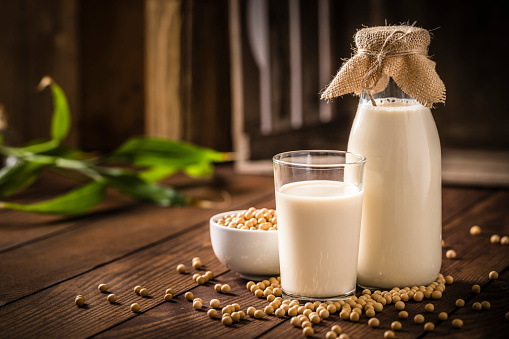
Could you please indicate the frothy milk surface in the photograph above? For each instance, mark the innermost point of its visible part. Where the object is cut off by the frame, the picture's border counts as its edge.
(400, 242)
(318, 229)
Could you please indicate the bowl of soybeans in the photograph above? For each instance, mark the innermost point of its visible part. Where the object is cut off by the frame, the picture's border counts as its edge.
(245, 241)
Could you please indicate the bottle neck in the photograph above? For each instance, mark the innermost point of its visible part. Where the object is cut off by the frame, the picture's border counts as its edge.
(391, 91)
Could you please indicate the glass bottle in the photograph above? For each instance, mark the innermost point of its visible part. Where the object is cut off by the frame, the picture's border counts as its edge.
(400, 243)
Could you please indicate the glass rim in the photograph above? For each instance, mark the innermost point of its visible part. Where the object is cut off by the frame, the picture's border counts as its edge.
(277, 159)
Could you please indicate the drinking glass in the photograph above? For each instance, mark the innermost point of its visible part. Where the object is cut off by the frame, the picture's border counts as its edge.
(319, 203)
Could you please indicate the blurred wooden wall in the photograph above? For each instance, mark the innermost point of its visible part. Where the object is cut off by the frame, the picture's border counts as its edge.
(128, 67)
(129, 70)
(37, 38)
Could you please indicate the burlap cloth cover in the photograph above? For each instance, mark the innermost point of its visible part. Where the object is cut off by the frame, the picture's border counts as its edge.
(400, 52)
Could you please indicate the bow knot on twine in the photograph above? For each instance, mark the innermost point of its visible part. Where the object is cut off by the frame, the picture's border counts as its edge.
(398, 52)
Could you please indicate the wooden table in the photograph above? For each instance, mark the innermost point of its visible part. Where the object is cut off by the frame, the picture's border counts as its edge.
(45, 261)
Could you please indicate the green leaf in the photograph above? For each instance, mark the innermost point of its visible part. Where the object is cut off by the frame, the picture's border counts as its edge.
(41, 147)
(77, 201)
(154, 152)
(202, 169)
(19, 176)
(61, 120)
(129, 183)
(156, 173)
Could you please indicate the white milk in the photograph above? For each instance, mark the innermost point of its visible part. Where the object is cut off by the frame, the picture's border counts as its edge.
(401, 230)
(318, 228)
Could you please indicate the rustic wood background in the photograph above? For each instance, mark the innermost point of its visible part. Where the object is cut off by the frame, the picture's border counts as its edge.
(97, 51)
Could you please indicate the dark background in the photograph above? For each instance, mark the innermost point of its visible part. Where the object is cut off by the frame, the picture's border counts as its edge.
(96, 51)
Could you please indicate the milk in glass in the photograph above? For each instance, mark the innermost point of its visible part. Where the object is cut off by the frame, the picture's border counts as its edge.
(318, 225)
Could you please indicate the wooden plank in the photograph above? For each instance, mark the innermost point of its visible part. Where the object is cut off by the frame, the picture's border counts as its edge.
(52, 310)
(481, 324)
(156, 321)
(19, 228)
(458, 199)
(87, 247)
(205, 74)
(163, 106)
(153, 268)
(112, 74)
(147, 266)
(183, 319)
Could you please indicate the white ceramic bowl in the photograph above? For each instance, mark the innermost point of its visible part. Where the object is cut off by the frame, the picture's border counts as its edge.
(253, 254)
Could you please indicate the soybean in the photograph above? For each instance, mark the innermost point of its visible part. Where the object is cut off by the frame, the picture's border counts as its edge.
(396, 325)
(389, 335)
(251, 311)
(235, 316)
(196, 262)
(485, 305)
(337, 329)
(374, 322)
(436, 294)
(429, 327)
(135, 307)
(475, 230)
(477, 306)
(450, 254)
(226, 321)
(215, 303)
(419, 319)
(103, 287)
(458, 323)
(403, 314)
(308, 331)
(448, 279)
(460, 302)
(189, 296)
(269, 309)
(112, 298)
(354, 316)
(144, 292)
(225, 288)
(476, 289)
(280, 312)
(181, 268)
(79, 300)
(443, 316)
(429, 308)
(258, 314)
(212, 313)
(495, 239)
(493, 275)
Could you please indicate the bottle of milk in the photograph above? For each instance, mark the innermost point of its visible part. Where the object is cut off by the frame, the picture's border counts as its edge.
(400, 242)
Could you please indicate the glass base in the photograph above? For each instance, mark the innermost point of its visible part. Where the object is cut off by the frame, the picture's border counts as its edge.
(371, 288)
(304, 299)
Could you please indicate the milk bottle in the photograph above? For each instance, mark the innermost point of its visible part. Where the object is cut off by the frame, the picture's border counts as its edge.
(400, 243)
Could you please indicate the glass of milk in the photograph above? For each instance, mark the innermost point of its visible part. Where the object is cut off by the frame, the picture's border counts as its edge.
(319, 206)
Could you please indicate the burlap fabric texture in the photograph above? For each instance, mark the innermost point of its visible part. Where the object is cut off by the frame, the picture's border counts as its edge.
(400, 52)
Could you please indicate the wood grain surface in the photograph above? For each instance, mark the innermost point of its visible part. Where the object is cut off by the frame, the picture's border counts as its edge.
(45, 262)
